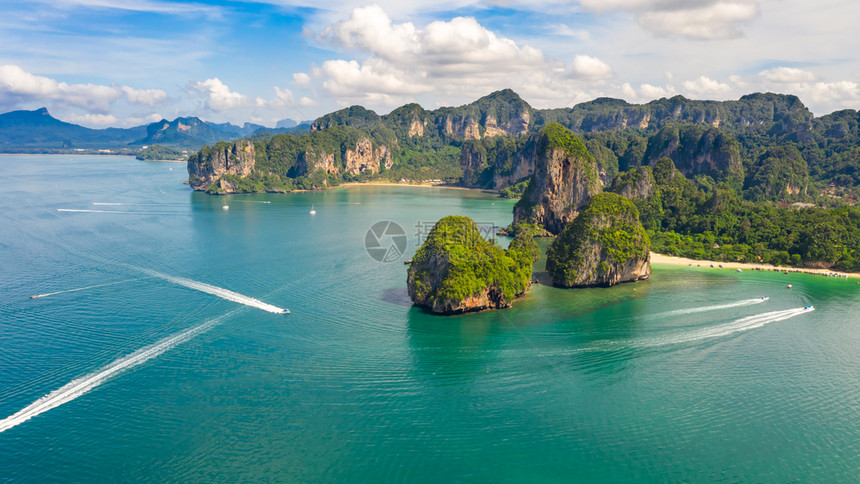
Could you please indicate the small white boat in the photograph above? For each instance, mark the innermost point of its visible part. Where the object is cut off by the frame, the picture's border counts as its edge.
(285, 311)
(765, 298)
(225, 207)
(809, 308)
(313, 212)
(740, 270)
(789, 286)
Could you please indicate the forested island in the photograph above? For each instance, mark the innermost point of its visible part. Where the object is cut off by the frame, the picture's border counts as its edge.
(456, 270)
(758, 180)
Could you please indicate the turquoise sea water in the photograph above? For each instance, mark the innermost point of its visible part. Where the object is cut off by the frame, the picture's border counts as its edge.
(681, 378)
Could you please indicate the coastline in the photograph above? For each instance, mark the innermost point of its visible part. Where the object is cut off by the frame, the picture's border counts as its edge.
(682, 261)
(416, 185)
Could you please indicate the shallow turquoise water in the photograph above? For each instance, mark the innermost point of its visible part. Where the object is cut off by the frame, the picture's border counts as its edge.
(632, 383)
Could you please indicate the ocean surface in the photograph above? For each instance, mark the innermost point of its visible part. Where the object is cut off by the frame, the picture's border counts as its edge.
(157, 354)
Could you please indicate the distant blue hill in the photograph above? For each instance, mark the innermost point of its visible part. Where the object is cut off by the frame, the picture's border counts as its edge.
(38, 131)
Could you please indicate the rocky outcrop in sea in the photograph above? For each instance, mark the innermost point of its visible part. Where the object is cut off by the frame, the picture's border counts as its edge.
(605, 245)
(457, 270)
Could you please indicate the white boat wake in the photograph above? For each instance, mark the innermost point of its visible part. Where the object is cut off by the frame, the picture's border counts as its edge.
(217, 291)
(84, 384)
(82, 210)
(80, 288)
(742, 324)
(717, 307)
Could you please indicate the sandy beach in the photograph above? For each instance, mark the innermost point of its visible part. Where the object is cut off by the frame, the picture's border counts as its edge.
(416, 185)
(681, 261)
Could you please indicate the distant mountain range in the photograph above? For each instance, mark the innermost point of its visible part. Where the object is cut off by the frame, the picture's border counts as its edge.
(38, 131)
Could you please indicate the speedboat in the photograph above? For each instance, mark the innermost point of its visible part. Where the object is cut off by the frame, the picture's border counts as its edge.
(808, 308)
(765, 298)
(285, 311)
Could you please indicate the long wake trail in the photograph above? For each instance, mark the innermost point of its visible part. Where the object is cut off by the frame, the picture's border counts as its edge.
(742, 324)
(217, 291)
(80, 288)
(716, 307)
(82, 210)
(84, 384)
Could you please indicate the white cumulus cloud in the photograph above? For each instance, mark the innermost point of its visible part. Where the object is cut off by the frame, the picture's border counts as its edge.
(146, 97)
(697, 19)
(718, 21)
(92, 119)
(20, 86)
(218, 96)
(787, 75)
(301, 79)
(454, 59)
(343, 77)
(137, 119)
(705, 86)
(370, 29)
(459, 45)
(650, 91)
(587, 67)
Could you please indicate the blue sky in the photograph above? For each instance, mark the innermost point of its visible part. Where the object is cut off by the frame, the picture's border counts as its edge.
(128, 62)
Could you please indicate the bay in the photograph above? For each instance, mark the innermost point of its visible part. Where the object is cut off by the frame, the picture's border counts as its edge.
(681, 378)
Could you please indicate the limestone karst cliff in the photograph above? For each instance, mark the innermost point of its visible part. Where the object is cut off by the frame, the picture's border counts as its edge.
(211, 163)
(365, 158)
(603, 246)
(565, 179)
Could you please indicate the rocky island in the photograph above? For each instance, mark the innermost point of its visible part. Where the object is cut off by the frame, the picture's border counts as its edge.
(456, 270)
(603, 246)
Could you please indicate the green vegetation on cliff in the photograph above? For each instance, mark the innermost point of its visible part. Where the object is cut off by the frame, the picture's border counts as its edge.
(780, 173)
(555, 136)
(516, 190)
(565, 179)
(457, 269)
(720, 225)
(738, 145)
(604, 245)
(159, 152)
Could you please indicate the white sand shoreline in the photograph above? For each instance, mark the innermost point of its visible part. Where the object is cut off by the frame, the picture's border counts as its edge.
(682, 261)
(415, 185)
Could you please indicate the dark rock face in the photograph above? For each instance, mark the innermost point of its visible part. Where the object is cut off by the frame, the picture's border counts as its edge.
(696, 149)
(636, 183)
(456, 270)
(210, 163)
(603, 246)
(566, 178)
(502, 113)
(523, 165)
(497, 164)
(311, 161)
(473, 159)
